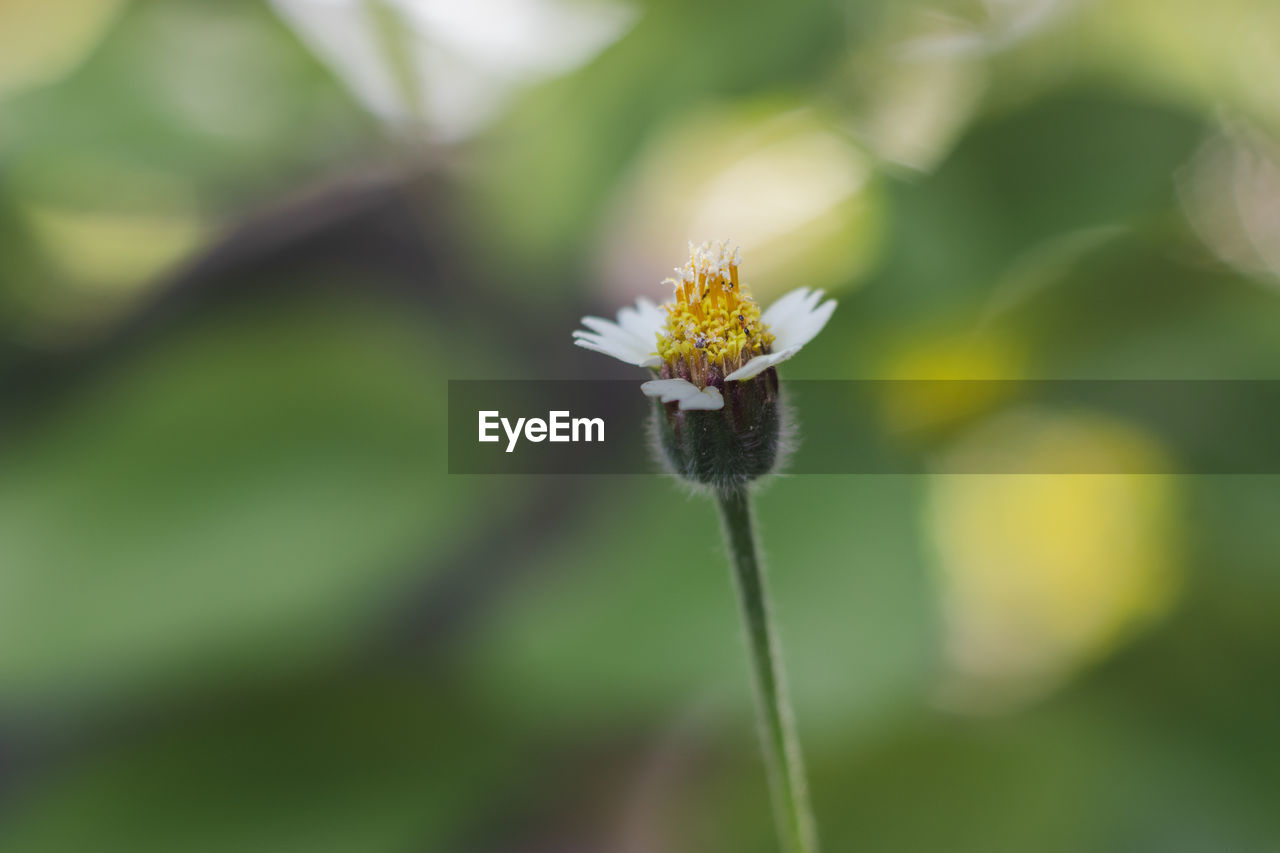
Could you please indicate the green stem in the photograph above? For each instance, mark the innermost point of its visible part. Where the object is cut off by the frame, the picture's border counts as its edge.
(777, 726)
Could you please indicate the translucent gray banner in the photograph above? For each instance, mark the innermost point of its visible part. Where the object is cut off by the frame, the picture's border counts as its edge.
(893, 427)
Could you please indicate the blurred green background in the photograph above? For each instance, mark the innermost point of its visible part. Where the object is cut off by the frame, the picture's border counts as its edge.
(243, 245)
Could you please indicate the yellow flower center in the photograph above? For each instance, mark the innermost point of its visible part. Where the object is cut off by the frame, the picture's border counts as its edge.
(713, 326)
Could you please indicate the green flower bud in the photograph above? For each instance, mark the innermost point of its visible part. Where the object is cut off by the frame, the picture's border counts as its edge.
(724, 449)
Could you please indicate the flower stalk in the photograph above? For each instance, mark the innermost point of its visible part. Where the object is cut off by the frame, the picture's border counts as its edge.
(720, 423)
(783, 761)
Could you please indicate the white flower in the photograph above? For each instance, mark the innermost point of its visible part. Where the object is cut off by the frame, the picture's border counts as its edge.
(451, 63)
(710, 331)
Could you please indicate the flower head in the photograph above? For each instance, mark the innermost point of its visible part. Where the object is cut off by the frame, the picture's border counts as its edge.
(711, 333)
(713, 326)
(719, 418)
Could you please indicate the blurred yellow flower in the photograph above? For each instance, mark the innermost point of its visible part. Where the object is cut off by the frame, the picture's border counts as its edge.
(41, 40)
(114, 251)
(941, 381)
(1043, 573)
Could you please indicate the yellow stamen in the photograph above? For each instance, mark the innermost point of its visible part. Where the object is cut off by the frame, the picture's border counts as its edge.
(714, 325)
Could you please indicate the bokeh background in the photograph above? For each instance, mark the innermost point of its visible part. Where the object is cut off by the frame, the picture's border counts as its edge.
(243, 245)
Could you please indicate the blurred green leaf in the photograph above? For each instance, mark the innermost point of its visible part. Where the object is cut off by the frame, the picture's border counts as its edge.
(250, 490)
(641, 616)
(379, 763)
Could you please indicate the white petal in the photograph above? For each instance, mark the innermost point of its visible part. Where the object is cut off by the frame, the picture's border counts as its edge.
(794, 304)
(689, 396)
(669, 390)
(621, 353)
(632, 339)
(708, 399)
(761, 363)
(614, 338)
(613, 342)
(601, 326)
(784, 306)
(618, 342)
(797, 303)
(802, 327)
(796, 318)
(644, 321)
(595, 347)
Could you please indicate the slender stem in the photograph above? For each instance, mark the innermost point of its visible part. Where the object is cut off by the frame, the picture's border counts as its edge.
(777, 726)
